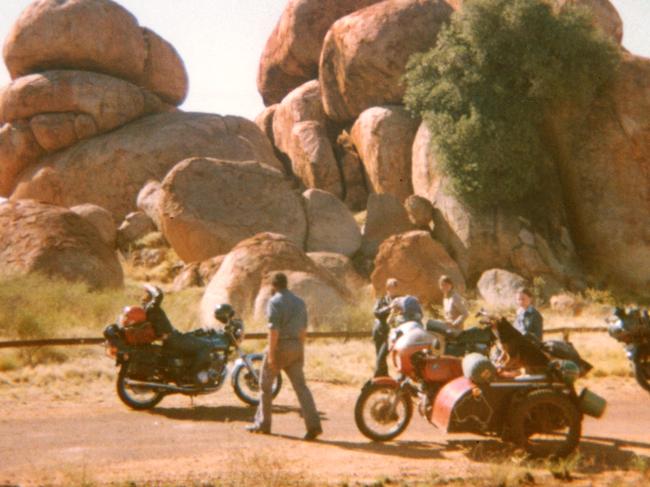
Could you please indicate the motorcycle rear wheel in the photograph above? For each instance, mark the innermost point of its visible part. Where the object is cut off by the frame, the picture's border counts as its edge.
(372, 412)
(246, 384)
(546, 423)
(134, 397)
(641, 367)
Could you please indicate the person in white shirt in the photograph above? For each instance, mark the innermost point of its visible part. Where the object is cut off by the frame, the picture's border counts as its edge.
(453, 305)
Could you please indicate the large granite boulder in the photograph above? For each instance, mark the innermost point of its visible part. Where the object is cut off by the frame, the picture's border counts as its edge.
(164, 72)
(57, 242)
(132, 155)
(246, 269)
(417, 262)
(301, 105)
(312, 158)
(330, 225)
(18, 150)
(385, 216)
(606, 174)
(207, 206)
(383, 137)
(299, 129)
(499, 287)
(110, 102)
(93, 35)
(148, 201)
(291, 54)
(101, 219)
(365, 53)
(341, 267)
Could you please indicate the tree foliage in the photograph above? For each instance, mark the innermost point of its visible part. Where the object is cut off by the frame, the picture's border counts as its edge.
(486, 87)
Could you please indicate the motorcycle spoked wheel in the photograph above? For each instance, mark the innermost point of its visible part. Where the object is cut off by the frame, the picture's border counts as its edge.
(373, 416)
(246, 385)
(641, 367)
(546, 424)
(136, 397)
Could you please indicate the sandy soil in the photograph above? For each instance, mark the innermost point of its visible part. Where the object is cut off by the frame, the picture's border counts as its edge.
(86, 435)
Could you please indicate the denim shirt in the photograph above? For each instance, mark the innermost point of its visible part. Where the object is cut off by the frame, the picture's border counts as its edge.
(287, 314)
(529, 322)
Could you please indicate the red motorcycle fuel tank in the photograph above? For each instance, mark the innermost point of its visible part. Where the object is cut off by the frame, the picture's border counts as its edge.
(442, 369)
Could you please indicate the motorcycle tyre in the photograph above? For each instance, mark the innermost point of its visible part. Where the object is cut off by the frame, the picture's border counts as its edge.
(366, 392)
(516, 433)
(637, 367)
(126, 399)
(243, 396)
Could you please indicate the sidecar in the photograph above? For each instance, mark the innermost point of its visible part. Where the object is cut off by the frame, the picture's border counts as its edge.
(540, 414)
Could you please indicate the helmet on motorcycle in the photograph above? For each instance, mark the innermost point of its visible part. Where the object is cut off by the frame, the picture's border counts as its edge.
(132, 315)
(223, 312)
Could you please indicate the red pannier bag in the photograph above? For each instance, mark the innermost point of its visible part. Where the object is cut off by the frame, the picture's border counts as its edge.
(136, 329)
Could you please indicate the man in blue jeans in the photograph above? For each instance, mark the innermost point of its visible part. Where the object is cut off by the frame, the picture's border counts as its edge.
(287, 322)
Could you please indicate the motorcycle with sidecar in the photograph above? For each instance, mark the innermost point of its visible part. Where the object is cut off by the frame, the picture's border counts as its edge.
(540, 413)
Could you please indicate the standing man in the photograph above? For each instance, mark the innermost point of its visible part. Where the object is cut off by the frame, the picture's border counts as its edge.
(529, 321)
(287, 321)
(453, 305)
(381, 327)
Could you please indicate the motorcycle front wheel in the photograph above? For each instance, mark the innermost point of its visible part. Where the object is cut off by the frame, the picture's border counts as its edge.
(382, 412)
(246, 382)
(641, 367)
(135, 397)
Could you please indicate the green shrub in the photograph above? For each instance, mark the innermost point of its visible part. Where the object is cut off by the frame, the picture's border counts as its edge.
(485, 89)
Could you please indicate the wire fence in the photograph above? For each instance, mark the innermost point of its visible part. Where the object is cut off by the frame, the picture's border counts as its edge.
(341, 335)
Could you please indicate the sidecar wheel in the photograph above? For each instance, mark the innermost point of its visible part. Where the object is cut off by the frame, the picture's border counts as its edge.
(246, 385)
(372, 412)
(546, 423)
(135, 398)
(641, 368)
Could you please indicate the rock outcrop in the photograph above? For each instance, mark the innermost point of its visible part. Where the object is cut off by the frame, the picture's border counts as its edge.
(417, 262)
(148, 201)
(247, 268)
(93, 35)
(39, 238)
(383, 137)
(300, 132)
(110, 102)
(208, 205)
(481, 239)
(385, 217)
(499, 287)
(365, 53)
(330, 225)
(101, 219)
(341, 268)
(18, 151)
(606, 177)
(132, 155)
(291, 54)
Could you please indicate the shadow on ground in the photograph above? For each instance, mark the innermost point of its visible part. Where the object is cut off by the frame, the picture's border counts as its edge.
(221, 414)
(596, 454)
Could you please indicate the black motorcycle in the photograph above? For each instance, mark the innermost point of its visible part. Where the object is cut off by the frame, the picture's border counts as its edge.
(632, 328)
(150, 371)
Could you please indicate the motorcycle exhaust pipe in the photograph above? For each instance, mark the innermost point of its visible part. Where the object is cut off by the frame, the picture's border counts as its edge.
(167, 387)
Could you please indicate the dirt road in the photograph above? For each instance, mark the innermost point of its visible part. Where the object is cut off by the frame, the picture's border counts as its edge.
(91, 437)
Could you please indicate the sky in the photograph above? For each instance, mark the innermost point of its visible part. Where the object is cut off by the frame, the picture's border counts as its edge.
(221, 41)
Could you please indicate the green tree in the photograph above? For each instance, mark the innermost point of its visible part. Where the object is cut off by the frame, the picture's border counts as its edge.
(484, 90)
